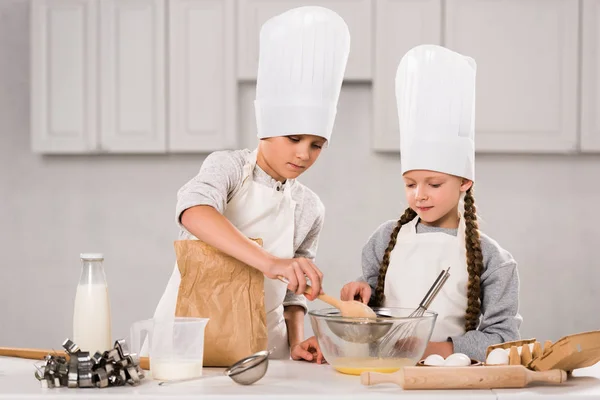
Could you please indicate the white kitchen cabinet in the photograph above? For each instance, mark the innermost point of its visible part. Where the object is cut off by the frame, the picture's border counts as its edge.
(527, 57)
(98, 76)
(399, 26)
(202, 75)
(590, 80)
(63, 76)
(357, 14)
(106, 74)
(132, 76)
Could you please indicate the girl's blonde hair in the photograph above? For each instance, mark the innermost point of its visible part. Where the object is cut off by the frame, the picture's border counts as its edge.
(474, 260)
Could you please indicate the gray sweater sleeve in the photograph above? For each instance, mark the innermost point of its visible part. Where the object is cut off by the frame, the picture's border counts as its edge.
(500, 320)
(220, 173)
(372, 254)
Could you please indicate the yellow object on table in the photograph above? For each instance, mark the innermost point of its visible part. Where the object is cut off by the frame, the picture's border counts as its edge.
(357, 365)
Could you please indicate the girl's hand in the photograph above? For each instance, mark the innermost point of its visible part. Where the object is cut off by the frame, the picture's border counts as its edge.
(308, 350)
(352, 290)
(444, 349)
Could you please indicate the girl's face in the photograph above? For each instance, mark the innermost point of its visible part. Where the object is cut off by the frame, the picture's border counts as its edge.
(287, 157)
(434, 196)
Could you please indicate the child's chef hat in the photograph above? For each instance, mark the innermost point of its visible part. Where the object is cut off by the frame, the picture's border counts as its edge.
(435, 94)
(303, 56)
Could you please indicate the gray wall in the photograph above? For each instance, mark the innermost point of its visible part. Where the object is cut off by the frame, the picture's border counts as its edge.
(541, 208)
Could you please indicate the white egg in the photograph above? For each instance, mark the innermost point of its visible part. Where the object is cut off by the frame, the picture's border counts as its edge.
(457, 360)
(434, 360)
(497, 357)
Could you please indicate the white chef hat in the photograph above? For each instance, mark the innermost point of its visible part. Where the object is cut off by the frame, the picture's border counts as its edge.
(435, 94)
(303, 56)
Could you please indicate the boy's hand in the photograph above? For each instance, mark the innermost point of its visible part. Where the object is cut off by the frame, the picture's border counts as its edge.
(308, 350)
(295, 271)
(352, 290)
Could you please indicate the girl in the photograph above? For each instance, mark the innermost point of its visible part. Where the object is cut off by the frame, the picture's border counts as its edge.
(240, 194)
(478, 305)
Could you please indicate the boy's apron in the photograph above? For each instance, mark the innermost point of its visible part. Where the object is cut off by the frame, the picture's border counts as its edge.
(258, 211)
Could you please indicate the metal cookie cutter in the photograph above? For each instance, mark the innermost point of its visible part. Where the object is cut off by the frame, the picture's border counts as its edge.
(134, 377)
(114, 367)
(84, 369)
(113, 355)
(70, 347)
(97, 359)
(85, 379)
(101, 378)
(73, 374)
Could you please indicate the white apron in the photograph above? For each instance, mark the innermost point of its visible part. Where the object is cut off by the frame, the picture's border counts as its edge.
(415, 263)
(258, 211)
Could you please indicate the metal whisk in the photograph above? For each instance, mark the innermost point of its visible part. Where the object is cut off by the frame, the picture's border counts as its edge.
(407, 328)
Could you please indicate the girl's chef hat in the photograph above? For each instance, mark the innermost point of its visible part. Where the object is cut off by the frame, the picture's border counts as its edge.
(435, 94)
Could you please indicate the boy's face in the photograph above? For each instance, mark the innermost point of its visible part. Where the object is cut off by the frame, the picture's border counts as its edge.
(434, 196)
(287, 157)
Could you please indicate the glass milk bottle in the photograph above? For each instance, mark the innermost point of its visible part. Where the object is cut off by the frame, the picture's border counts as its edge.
(91, 316)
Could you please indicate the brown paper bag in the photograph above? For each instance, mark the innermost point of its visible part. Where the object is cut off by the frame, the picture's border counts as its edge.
(230, 293)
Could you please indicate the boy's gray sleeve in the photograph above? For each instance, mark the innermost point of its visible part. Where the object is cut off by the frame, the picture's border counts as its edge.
(500, 319)
(373, 252)
(308, 249)
(219, 174)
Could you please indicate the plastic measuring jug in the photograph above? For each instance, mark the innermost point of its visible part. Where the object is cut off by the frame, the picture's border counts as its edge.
(175, 346)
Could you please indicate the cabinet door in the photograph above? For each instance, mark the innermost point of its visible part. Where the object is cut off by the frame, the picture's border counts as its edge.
(399, 26)
(590, 82)
(526, 53)
(63, 76)
(202, 80)
(357, 14)
(132, 76)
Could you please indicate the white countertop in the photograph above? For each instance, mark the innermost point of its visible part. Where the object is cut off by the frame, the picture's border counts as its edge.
(584, 384)
(289, 379)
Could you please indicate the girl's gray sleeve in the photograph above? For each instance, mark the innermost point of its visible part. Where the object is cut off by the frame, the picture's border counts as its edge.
(500, 319)
(372, 254)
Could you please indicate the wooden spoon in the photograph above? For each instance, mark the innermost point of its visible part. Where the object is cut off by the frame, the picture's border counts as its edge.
(352, 309)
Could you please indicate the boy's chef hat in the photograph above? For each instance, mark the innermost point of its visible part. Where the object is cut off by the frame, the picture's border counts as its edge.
(435, 94)
(303, 56)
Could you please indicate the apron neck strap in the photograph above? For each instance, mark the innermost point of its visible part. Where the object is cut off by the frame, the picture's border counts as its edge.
(250, 164)
(251, 161)
(411, 227)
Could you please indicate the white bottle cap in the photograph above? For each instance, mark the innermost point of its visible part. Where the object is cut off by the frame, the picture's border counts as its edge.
(91, 256)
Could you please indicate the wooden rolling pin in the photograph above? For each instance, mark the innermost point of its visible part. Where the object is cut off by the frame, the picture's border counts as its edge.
(39, 354)
(32, 354)
(492, 377)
